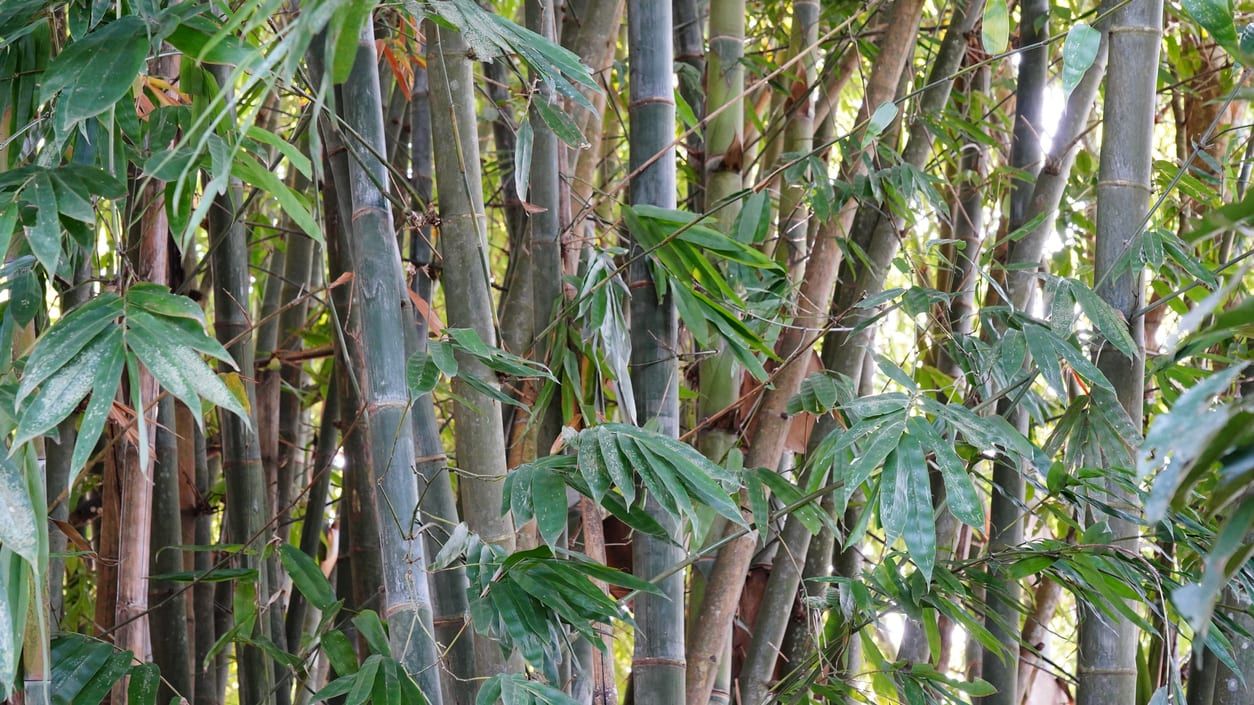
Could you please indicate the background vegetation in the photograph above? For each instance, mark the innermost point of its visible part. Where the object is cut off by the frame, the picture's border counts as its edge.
(626, 351)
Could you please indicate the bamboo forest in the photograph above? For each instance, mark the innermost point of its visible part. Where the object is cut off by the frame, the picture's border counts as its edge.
(626, 352)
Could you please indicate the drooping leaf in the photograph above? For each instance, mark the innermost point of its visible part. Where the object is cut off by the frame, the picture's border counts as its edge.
(1079, 51)
(1108, 321)
(307, 577)
(60, 394)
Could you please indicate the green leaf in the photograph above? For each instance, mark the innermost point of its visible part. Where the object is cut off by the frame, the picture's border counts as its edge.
(995, 29)
(96, 71)
(1215, 16)
(906, 503)
(194, 39)
(548, 497)
(340, 652)
(343, 34)
(1079, 51)
(290, 151)
(960, 494)
(291, 202)
(522, 157)
(363, 681)
(19, 530)
(45, 236)
(104, 388)
(881, 118)
(184, 374)
(71, 674)
(60, 394)
(145, 681)
(307, 577)
(111, 672)
(66, 338)
(1109, 322)
(371, 629)
(1041, 346)
(421, 373)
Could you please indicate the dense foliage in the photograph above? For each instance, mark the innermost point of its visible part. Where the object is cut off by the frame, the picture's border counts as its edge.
(626, 351)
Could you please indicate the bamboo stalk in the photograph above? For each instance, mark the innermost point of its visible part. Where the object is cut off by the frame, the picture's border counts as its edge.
(378, 357)
(435, 491)
(686, 17)
(168, 620)
(247, 506)
(544, 229)
(206, 692)
(658, 670)
(1106, 668)
(798, 136)
(313, 523)
(478, 430)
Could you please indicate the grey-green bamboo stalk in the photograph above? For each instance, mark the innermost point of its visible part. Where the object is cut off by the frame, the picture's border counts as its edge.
(378, 291)
(1106, 668)
(658, 670)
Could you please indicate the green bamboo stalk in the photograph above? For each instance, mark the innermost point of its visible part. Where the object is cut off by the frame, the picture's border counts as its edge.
(168, 619)
(437, 501)
(1107, 644)
(360, 565)
(297, 269)
(798, 136)
(1005, 520)
(313, 522)
(515, 308)
(658, 671)
(246, 495)
(544, 230)
(590, 29)
(727, 576)
(686, 17)
(477, 423)
(206, 692)
(378, 356)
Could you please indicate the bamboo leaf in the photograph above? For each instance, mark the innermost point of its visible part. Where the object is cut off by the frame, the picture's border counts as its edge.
(19, 530)
(1109, 322)
(94, 691)
(67, 338)
(995, 29)
(94, 72)
(145, 681)
(522, 158)
(307, 577)
(1079, 51)
(1042, 348)
(548, 502)
(1215, 16)
(104, 388)
(60, 394)
(960, 494)
(44, 236)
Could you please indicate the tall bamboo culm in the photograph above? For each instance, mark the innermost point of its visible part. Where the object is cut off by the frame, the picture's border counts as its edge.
(658, 658)
(376, 314)
(478, 432)
(1106, 666)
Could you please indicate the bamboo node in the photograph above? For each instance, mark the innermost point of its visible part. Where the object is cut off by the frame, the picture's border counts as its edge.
(659, 661)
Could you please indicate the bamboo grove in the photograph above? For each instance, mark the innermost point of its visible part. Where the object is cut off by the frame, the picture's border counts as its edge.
(587, 352)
